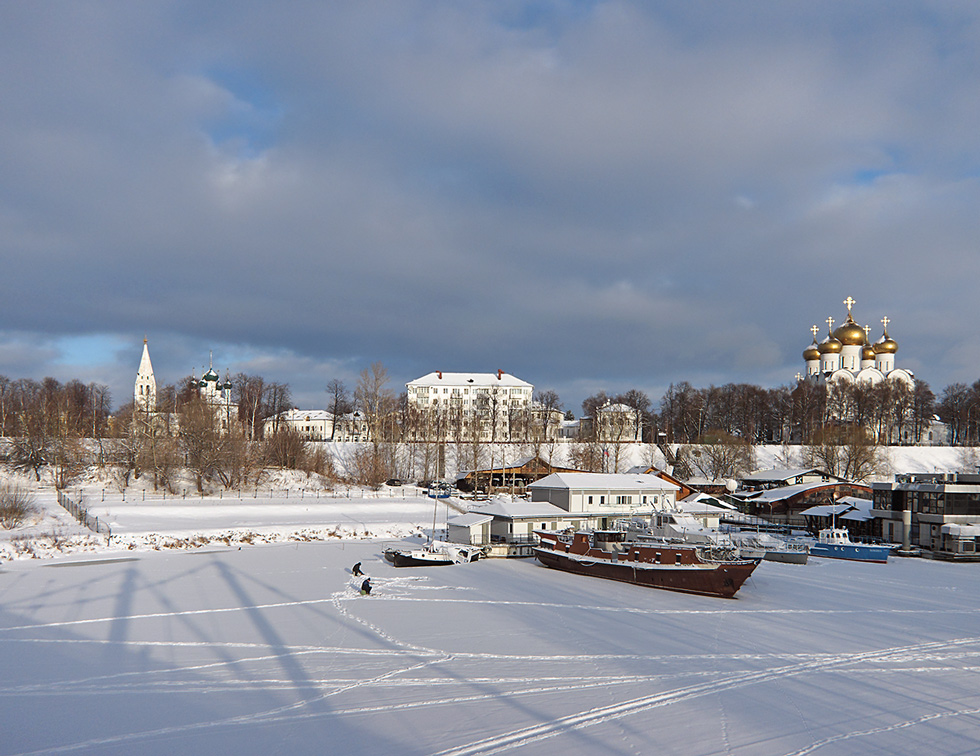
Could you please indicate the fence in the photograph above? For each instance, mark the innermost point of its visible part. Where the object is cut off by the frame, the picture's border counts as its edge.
(81, 514)
(243, 494)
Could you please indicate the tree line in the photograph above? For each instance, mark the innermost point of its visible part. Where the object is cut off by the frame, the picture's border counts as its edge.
(45, 422)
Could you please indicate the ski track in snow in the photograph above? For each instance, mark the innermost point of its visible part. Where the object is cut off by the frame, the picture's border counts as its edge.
(399, 665)
(406, 659)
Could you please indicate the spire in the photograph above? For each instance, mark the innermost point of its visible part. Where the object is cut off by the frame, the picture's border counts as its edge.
(145, 389)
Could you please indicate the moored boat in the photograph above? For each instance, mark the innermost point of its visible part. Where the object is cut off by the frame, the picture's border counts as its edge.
(432, 555)
(707, 570)
(771, 548)
(836, 543)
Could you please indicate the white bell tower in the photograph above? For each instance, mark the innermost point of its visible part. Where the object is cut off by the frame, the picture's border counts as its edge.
(146, 385)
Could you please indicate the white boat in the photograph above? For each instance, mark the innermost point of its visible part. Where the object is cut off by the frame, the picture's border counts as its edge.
(433, 554)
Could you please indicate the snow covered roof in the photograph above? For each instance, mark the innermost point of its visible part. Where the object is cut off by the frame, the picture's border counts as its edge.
(521, 509)
(700, 502)
(298, 414)
(826, 510)
(605, 482)
(779, 474)
(439, 378)
(786, 492)
(469, 520)
(963, 531)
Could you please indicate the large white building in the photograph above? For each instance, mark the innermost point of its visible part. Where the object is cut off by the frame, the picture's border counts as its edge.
(487, 406)
(320, 425)
(847, 354)
(606, 497)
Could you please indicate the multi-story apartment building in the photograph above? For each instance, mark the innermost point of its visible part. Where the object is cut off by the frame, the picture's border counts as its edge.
(470, 406)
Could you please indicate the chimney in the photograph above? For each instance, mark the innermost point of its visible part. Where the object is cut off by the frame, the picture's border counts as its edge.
(439, 373)
(499, 373)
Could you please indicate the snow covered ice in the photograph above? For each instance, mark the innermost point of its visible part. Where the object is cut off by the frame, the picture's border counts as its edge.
(271, 649)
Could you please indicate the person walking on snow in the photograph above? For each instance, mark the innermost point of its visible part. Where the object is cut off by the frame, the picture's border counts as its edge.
(366, 587)
(356, 570)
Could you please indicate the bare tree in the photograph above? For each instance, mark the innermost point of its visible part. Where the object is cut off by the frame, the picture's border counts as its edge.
(721, 455)
(375, 400)
(846, 452)
(338, 403)
(249, 393)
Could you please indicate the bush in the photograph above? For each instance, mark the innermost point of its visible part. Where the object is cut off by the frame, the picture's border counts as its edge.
(16, 504)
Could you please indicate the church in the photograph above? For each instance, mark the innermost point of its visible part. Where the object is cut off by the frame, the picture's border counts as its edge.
(847, 354)
(215, 392)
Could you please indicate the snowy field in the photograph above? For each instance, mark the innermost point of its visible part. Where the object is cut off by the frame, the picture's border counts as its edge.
(264, 649)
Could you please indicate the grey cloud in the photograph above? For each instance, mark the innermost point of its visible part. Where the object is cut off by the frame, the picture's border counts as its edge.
(611, 192)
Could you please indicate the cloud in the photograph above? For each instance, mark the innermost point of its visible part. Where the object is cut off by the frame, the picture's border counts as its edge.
(585, 194)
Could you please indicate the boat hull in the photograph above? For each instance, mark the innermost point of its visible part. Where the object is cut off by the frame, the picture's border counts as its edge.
(789, 557)
(407, 559)
(722, 580)
(855, 552)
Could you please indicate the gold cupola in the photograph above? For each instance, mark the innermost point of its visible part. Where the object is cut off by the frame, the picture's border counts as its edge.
(850, 333)
(886, 344)
(830, 345)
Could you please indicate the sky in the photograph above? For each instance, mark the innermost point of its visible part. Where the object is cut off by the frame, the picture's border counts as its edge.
(588, 195)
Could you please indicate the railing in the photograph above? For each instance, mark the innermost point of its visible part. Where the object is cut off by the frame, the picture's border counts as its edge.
(81, 514)
(243, 494)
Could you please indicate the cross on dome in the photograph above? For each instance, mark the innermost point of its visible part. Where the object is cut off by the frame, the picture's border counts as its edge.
(885, 321)
(850, 302)
(830, 324)
(815, 330)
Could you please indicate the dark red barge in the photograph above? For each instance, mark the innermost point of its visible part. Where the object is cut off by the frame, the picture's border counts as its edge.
(671, 566)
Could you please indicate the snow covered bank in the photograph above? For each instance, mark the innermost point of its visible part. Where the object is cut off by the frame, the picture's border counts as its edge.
(155, 522)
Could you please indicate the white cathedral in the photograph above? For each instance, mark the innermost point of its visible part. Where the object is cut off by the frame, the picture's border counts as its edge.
(847, 354)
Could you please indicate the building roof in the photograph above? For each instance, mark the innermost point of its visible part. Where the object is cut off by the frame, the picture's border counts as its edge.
(701, 502)
(827, 510)
(771, 495)
(605, 481)
(469, 520)
(437, 378)
(521, 509)
(964, 531)
(778, 475)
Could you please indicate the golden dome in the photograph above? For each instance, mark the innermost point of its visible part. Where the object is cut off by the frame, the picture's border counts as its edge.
(812, 352)
(886, 345)
(868, 353)
(830, 345)
(850, 333)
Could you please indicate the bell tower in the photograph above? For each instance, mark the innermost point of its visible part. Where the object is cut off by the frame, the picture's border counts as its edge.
(146, 385)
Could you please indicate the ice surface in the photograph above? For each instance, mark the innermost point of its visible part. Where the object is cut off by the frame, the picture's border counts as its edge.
(270, 648)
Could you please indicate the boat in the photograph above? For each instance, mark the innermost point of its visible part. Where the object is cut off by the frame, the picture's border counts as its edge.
(836, 543)
(433, 554)
(681, 527)
(703, 569)
(752, 545)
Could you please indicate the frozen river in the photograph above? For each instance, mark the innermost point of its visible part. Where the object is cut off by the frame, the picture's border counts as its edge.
(269, 649)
